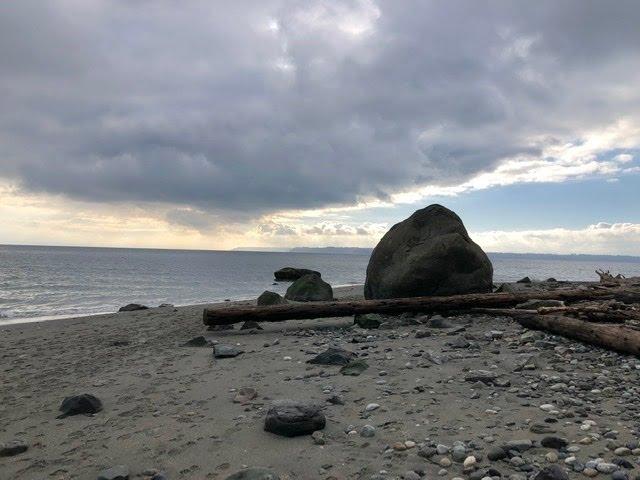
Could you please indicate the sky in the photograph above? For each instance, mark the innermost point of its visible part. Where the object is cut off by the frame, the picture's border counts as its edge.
(270, 123)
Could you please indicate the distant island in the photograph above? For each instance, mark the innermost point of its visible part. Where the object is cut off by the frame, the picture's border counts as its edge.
(367, 251)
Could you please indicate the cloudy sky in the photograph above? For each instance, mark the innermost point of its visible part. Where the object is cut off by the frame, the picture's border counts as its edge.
(217, 124)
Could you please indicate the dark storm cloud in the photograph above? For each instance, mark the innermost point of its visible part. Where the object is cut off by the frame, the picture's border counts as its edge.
(255, 106)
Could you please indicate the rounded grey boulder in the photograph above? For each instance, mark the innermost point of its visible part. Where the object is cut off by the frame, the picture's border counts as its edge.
(310, 288)
(429, 253)
(292, 419)
(270, 298)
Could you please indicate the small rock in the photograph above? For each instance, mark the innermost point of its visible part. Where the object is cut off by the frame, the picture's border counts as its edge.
(12, 448)
(371, 407)
(291, 419)
(132, 307)
(496, 453)
(84, 403)
(333, 356)
(251, 325)
(552, 472)
(367, 431)
(557, 443)
(225, 351)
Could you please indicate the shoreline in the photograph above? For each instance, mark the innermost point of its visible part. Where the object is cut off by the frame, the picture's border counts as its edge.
(340, 291)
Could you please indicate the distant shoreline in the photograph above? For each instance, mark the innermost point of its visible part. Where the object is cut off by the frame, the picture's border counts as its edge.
(344, 251)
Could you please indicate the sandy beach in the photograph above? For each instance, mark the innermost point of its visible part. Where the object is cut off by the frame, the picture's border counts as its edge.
(170, 408)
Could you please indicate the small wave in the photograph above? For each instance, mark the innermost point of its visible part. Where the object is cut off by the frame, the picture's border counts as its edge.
(6, 314)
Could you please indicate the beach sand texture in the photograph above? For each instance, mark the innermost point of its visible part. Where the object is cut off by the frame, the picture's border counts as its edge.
(170, 408)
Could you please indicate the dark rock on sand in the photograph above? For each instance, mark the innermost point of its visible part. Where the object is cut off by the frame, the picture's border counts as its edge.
(119, 472)
(80, 404)
(225, 351)
(310, 288)
(291, 419)
(132, 307)
(354, 368)
(557, 443)
(496, 453)
(254, 474)
(552, 472)
(290, 274)
(270, 298)
(369, 321)
(198, 341)
(524, 280)
(12, 448)
(333, 356)
(430, 253)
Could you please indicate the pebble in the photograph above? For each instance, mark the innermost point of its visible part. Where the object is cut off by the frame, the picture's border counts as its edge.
(367, 431)
(469, 462)
(371, 407)
(445, 462)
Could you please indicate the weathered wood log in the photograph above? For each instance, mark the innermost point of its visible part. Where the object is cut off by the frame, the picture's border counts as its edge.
(612, 337)
(278, 313)
(589, 314)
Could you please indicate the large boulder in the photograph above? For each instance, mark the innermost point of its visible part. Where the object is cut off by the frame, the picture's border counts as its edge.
(310, 288)
(290, 274)
(430, 253)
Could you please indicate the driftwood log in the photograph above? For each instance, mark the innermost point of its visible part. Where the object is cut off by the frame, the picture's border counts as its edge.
(619, 338)
(309, 310)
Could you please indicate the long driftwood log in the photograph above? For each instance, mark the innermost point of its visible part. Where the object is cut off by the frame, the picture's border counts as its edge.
(613, 337)
(278, 313)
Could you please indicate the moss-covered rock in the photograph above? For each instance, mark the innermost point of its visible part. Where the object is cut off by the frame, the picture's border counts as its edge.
(310, 288)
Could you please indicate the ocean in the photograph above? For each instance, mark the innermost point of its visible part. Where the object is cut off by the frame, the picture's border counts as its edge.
(38, 283)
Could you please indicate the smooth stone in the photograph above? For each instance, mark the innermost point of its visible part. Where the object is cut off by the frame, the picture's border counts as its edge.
(84, 403)
(226, 351)
(333, 356)
(290, 419)
(557, 443)
(132, 307)
(199, 341)
(270, 298)
(367, 431)
(496, 453)
(12, 448)
(245, 395)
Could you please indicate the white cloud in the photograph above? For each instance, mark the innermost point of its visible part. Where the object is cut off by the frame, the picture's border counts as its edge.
(600, 238)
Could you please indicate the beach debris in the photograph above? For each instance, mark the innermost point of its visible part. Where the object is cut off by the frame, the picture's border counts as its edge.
(199, 341)
(430, 253)
(354, 368)
(394, 306)
(245, 395)
(368, 321)
(270, 298)
(83, 404)
(132, 307)
(226, 351)
(119, 472)
(310, 288)
(291, 418)
(290, 274)
(254, 474)
(333, 356)
(13, 448)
